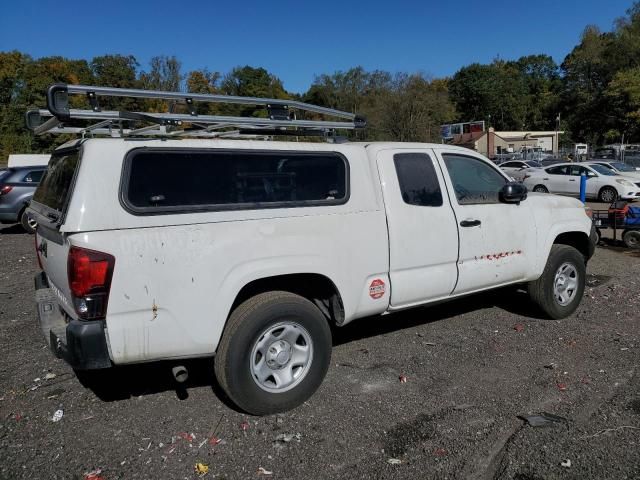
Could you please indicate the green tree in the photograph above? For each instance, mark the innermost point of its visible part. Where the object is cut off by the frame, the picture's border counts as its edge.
(115, 71)
(165, 74)
(543, 84)
(250, 82)
(492, 92)
(204, 81)
(586, 75)
(13, 136)
(624, 94)
(414, 109)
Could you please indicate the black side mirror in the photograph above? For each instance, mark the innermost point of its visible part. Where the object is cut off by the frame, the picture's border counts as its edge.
(513, 192)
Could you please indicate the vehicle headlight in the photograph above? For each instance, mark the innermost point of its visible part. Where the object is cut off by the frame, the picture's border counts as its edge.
(626, 183)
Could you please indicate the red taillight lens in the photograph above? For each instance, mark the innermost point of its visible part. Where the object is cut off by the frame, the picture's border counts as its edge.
(90, 275)
(5, 189)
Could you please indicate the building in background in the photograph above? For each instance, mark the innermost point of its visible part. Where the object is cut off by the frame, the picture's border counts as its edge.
(492, 143)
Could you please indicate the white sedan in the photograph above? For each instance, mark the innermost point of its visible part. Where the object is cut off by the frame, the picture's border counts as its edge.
(620, 168)
(517, 169)
(564, 178)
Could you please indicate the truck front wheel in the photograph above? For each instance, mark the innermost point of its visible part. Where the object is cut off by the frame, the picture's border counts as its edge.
(559, 289)
(274, 353)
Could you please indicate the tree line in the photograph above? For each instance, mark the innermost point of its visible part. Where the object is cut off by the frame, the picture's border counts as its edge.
(594, 94)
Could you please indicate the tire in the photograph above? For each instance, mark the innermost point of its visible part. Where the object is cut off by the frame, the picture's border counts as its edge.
(27, 223)
(598, 236)
(608, 195)
(253, 364)
(540, 189)
(631, 238)
(564, 263)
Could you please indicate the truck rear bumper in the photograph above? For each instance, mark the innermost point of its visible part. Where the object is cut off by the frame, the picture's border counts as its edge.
(82, 344)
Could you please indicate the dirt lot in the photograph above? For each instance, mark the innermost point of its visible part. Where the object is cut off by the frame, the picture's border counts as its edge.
(472, 367)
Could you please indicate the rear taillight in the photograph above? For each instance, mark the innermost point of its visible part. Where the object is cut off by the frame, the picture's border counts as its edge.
(5, 189)
(90, 275)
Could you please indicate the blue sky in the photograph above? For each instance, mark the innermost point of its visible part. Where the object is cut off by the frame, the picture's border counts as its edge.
(297, 40)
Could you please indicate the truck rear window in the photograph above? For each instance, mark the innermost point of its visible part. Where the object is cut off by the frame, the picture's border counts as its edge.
(53, 190)
(190, 179)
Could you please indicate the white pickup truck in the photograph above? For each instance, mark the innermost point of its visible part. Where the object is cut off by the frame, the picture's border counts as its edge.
(247, 251)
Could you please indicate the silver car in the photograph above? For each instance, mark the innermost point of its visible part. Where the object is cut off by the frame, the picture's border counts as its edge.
(17, 185)
(517, 169)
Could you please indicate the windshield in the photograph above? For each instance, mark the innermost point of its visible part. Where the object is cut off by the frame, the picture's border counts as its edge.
(603, 170)
(53, 190)
(623, 167)
(534, 164)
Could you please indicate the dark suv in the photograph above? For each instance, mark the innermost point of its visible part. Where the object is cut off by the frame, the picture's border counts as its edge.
(17, 185)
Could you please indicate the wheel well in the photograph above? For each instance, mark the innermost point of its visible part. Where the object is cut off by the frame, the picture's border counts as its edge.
(577, 240)
(318, 289)
(540, 185)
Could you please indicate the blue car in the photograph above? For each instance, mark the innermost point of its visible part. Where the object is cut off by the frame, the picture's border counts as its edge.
(17, 185)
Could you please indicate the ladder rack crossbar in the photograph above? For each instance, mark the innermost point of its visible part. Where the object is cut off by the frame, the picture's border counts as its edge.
(207, 119)
(205, 98)
(62, 116)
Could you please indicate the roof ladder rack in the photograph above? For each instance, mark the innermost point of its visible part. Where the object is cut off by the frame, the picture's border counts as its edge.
(283, 115)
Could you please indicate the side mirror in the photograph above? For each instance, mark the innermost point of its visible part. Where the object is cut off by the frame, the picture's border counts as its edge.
(513, 192)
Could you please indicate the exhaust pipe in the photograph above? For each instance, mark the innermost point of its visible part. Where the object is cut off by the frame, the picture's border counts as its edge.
(180, 373)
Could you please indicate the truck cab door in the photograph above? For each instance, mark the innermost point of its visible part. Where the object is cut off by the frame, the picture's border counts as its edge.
(497, 240)
(423, 235)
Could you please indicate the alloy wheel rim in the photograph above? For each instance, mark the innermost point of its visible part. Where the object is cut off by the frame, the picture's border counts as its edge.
(565, 284)
(608, 195)
(281, 357)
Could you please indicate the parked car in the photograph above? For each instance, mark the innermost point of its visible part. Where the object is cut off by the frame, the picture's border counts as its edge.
(623, 169)
(602, 183)
(606, 153)
(17, 185)
(517, 169)
(550, 161)
(260, 246)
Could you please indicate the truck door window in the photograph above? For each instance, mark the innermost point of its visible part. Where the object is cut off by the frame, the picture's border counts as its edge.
(418, 180)
(474, 181)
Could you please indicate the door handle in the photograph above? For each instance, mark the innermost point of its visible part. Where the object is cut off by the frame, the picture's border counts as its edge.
(470, 223)
(572, 179)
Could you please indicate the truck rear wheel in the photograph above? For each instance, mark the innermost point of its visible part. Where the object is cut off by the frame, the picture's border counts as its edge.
(559, 289)
(274, 353)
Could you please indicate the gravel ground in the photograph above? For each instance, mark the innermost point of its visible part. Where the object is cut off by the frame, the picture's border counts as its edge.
(472, 367)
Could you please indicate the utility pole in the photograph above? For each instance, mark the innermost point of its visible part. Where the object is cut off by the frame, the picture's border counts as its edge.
(557, 145)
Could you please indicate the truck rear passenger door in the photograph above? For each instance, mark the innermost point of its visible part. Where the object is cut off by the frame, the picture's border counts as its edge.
(423, 235)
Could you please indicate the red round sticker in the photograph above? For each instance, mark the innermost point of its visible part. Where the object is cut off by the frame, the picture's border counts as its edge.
(376, 289)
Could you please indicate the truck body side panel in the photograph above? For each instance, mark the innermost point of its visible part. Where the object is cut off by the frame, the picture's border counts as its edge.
(177, 275)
